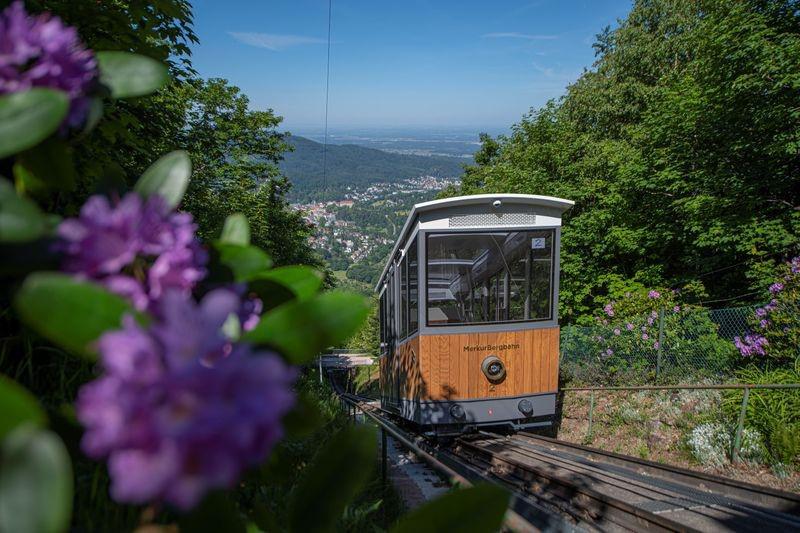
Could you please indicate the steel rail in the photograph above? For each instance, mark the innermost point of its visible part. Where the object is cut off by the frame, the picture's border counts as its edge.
(514, 521)
(660, 489)
(754, 494)
(568, 493)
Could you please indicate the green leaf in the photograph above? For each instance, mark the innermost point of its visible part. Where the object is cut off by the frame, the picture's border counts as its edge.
(18, 406)
(302, 329)
(168, 177)
(478, 509)
(246, 262)
(28, 118)
(20, 219)
(334, 478)
(214, 514)
(128, 75)
(304, 418)
(70, 313)
(35, 482)
(236, 230)
(49, 166)
(280, 285)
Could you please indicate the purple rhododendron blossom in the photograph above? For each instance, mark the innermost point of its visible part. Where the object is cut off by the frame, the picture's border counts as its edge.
(761, 312)
(609, 352)
(109, 241)
(654, 295)
(752, 344)
(617, 331)
(656, 345)
(676, 309)
(764, 323)
(180, 411)
(41, 51)
(650, 320)
(629, 326)
(775, 288)
(609, 309)
(645, 336)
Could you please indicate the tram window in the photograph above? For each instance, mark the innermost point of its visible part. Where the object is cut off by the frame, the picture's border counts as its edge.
(382, 317)
(497, 276)
(413, 288)
(390, 291)
(403, 298)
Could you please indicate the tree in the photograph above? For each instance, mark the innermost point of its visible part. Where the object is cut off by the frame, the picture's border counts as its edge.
(680, 149)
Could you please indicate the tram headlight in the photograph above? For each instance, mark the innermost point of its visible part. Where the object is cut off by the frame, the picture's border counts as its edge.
(525, 407)
(457, 412)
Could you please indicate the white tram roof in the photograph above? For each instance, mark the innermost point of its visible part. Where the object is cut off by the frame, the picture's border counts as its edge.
(558, 205)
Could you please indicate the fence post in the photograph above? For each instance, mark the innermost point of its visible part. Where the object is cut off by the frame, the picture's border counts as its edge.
(591, 415)
(737, 440)
(660, 343)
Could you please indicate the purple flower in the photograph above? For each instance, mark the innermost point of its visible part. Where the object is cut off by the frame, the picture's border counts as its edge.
(764, 323)
(180, 411)
(775, 288)
(40, 51)
(629, 326)
(605, 322)
(650, 320)
(676, 309)
(609, 309)
(761, 312)
(795, 265)
(656, 345)
(609, 352)
(654, 295)
(113, 242)
(752, 344)
(617, 331)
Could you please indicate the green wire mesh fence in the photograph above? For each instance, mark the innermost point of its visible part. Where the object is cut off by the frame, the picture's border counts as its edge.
(665, 347)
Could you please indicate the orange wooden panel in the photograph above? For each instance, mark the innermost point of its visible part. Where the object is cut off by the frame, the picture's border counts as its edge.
(449, 366)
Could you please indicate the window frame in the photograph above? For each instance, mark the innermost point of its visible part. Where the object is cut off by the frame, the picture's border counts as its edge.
(413, 311)
(554, 256)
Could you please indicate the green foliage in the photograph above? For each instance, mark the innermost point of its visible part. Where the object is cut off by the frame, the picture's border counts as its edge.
(333, 479)
(72, 314)
(302, 329)
(167, 177)
(679, 148)
(215, 513)
(20, 219)
(646, 334)
(29, 117)
(18, 406)
(350, 165)
(478, 509)
(236, 230)
(35, 482)
(127, 75)
(774, 412)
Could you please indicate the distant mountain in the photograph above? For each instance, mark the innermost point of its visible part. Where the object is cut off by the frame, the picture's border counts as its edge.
(350, 164)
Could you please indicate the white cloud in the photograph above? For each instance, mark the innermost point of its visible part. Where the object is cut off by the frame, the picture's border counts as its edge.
(549, 72)
(272, 41)
(515, 35)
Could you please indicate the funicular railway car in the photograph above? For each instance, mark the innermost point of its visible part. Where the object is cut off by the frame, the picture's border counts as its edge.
(469, 313)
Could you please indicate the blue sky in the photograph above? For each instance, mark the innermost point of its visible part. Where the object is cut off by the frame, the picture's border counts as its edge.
(409, 63)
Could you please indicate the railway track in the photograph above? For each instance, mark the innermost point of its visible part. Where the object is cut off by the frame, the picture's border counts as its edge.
(559, 486)
(612, 492)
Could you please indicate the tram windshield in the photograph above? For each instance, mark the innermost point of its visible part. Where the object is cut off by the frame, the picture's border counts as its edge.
(486, 277)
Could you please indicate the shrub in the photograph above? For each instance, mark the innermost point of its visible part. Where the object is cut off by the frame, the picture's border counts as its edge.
(775, 327)
(774, 412)
(712, 444)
